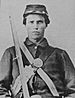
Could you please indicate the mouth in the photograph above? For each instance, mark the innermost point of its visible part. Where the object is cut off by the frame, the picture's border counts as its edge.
(36, 32)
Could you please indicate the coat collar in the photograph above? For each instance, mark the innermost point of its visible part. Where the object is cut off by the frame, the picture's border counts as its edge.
(43, 42)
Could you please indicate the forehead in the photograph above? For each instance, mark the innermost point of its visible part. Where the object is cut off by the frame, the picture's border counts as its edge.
(35, 17)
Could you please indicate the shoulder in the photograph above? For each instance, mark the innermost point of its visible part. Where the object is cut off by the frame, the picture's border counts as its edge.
(62, 52)
(9, 51)
(58, 51)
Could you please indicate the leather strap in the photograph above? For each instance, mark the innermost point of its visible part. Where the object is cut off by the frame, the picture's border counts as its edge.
(40, 71)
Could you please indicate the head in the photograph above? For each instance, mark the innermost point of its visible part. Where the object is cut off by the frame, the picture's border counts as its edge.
(35, 19)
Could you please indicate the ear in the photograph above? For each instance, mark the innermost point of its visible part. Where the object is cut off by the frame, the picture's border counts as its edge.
(24, 21)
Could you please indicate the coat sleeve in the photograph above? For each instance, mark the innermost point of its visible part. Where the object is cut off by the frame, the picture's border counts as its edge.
(5, 73)
(69, 74)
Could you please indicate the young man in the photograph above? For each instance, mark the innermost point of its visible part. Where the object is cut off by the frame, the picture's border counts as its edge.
(56, 66)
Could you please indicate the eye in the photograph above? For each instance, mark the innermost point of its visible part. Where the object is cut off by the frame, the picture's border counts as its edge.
(31, 22)
(40, 21)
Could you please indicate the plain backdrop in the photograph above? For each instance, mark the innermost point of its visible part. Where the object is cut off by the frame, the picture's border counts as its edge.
(60, 32)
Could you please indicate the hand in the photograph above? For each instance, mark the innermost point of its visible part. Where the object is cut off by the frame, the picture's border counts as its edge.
(71, 96)
(36, 96)
(4, 96)
(28, 72)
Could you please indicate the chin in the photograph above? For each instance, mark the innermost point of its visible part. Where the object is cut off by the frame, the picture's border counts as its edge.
(37, 39)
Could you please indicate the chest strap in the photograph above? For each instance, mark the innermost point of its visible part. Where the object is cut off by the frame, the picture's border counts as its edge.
(40, 71)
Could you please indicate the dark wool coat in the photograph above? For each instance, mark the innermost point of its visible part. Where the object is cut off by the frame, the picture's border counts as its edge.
(56, 63)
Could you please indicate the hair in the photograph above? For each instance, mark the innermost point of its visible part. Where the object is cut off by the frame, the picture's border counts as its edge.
(47, 21)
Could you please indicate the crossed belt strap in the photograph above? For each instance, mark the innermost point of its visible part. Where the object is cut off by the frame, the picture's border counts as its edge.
(40, 71)
(38, 62)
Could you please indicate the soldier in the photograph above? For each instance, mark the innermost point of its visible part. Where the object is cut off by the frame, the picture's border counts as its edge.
(57, 68)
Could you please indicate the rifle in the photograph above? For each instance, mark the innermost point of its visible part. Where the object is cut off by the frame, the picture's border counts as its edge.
(36, 62)
(19, 58)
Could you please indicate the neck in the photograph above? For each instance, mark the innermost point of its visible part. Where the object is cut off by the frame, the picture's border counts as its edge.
(36, 41)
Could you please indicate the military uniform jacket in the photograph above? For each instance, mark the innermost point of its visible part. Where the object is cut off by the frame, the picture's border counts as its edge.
(56, 64)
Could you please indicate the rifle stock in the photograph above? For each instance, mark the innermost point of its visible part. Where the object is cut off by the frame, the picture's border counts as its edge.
(19, 58)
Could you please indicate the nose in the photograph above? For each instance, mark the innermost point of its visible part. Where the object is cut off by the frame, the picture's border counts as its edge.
(35, 25)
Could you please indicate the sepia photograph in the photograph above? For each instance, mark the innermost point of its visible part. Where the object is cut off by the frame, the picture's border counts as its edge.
(37, 49)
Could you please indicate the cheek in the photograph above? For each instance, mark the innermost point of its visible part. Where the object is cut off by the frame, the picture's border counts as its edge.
(42, 27)
(28, 28)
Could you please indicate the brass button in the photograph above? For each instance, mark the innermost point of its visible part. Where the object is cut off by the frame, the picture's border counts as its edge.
(35, 47)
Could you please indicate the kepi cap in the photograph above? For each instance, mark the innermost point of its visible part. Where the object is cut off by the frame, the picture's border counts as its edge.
(35, 9)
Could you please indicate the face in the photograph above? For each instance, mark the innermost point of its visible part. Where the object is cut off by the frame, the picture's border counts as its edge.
(35, 26)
